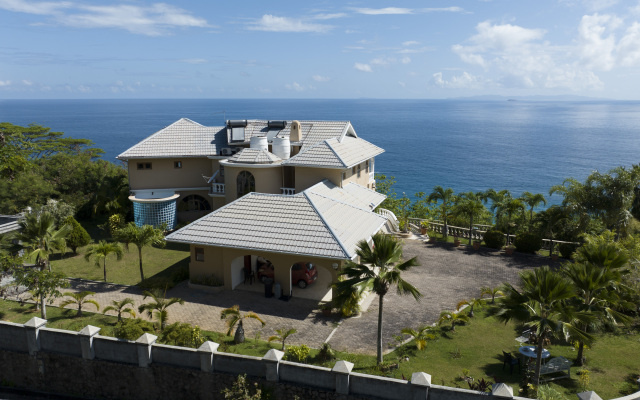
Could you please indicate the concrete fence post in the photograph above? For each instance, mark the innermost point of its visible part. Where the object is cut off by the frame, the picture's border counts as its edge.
(206, 352)
(420, 384)
(342, 370)
(32, 328)
(590, 395)
(502, 390)
(86, 341)
(144, 344)
(271, 364)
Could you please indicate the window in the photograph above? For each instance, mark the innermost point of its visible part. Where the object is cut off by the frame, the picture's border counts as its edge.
(199, 254)
(177, 164)
(353, 171)
(194, 202)
(368, 166)
(359, 168)
(221, 171)
(245, 183)
(144, 165)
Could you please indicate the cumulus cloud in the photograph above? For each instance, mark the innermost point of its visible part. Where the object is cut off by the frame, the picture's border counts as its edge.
(410, 43)
(294, 86)
(329, 16)
(320, 78)
(5, 83)
(519, 57)
(363, 67)
(270, 23)
(405, 60)
(153, 20)
(597, 42)
(383, 11)
(464, 81)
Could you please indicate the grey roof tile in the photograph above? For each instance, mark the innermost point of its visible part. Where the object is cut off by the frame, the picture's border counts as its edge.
(335, 153)
(254, 156)
(351, 193)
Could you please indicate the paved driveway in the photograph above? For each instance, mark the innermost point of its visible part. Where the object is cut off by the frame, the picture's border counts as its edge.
(445, 276)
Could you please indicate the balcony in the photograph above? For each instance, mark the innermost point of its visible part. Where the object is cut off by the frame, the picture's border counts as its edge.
(288, 191)
(216, 189)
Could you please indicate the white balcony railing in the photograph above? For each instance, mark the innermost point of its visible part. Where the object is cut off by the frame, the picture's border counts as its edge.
(216, 188)
(372, 176)
(288, 191)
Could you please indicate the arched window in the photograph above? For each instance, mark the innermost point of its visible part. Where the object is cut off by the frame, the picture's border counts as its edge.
(245, 183)
(194, 202)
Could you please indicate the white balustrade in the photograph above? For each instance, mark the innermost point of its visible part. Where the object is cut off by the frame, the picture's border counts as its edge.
(288, 191)
(216, 188)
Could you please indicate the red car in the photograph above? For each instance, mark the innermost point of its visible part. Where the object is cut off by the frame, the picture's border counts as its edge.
(302, 274)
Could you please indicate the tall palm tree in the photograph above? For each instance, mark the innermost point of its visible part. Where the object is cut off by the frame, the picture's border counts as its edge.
(158, 307)
(79, 299)
(141, 236)
(233, 316)
(550, 221)
(470, 205)
(447, 198)
(100, 251)
(38, 234)
(542, 304)
(120, 307)
(532, 200)
(507, 206)
(598, 277)
(379, 270)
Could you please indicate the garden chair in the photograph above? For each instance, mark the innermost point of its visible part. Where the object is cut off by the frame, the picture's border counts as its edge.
(511, 361)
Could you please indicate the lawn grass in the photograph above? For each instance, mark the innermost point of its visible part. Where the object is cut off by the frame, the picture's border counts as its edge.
(168, 262)
(476, 347)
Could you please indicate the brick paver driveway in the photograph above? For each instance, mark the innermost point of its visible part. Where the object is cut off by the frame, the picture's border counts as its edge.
(445, 276)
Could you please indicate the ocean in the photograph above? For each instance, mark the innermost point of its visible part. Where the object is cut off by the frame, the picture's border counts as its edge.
(463, 144)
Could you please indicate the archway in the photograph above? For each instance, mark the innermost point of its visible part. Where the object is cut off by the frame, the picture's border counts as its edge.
(194, 202)
(245, 183)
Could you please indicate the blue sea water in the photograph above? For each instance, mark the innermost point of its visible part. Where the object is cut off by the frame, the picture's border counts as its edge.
(463, 144)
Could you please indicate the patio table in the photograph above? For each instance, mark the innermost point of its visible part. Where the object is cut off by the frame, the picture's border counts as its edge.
(530, 351)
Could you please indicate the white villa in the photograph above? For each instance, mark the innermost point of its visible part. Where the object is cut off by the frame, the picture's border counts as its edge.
(282, 191)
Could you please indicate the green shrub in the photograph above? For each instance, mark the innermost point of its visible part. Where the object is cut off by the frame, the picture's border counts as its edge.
(181, 275)
(297, 353)
(494, 239)
(207, 280)
(182, 334)
(132, 329)
(115, 222)
(78, 237)
(157, 283)
(325, 353)
(566, 249)
(528, 243)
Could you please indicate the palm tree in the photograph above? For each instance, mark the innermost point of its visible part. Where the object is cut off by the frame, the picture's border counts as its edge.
(471, 303)
(158, 307)
(38, 234)
(469, 204)
(79, 299)
(550, 219)
(233, 316)
(120, 307)
(493, 292)
(380, 268)
(598, 277)
(507, 206)
(100, 252)
(141, 236)
(452, 317)
(447, 198)
(282, 335)
(542, 304)
(532, 200)
(420, 336)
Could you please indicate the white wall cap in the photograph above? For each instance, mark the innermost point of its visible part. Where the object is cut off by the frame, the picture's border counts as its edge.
(209, 347)
(590, 395)
(89, 330)
(147, 338)
(501, 390)
(273, 355)
(343, 367)
(421, 379)
(35, 322)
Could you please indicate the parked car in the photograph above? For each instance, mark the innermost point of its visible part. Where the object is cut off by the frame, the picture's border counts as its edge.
(302, 274)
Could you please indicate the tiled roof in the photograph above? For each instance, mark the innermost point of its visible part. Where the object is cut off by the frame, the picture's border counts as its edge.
(255, 156)
(183, 138)
(9, 223)
(312, 131)
(354, 194)
(306, 224)
(335, 153)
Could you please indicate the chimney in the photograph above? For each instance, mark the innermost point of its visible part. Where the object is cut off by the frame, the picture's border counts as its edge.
(296, 134)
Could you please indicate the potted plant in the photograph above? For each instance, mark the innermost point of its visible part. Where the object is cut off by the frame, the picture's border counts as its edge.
(424, 225)
(326, 309)
(509, 249)
(476, 244)
(456, 241)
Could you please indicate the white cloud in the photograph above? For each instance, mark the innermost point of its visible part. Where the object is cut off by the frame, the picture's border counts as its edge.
(194, 60)
(596, 49)
(464, 81)
(27, 82)
(410, 43)
(413, 50)
(597, 5)
(443, 9)
(320, 78)
(295, 86)
(402, 84)
(363, 67)
(153, 20)
(405, 60)
(629, 46)
(329, 16)
(384, 11)
(270, 23)
(5, 83)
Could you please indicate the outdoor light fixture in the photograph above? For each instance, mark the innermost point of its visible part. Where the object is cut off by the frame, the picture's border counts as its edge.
(334, 265)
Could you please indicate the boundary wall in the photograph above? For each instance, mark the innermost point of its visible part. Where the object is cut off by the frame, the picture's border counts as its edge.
(88, 365)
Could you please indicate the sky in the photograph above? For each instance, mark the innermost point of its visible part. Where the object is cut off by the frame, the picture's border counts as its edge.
(405, 49)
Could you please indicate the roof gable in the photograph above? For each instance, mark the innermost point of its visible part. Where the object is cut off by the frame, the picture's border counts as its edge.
(336, 153)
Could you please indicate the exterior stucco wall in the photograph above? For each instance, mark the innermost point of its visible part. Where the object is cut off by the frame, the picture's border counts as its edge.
(309, 176)
(268, 180)
(218, 262)
(351, 175)
(163, 174)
